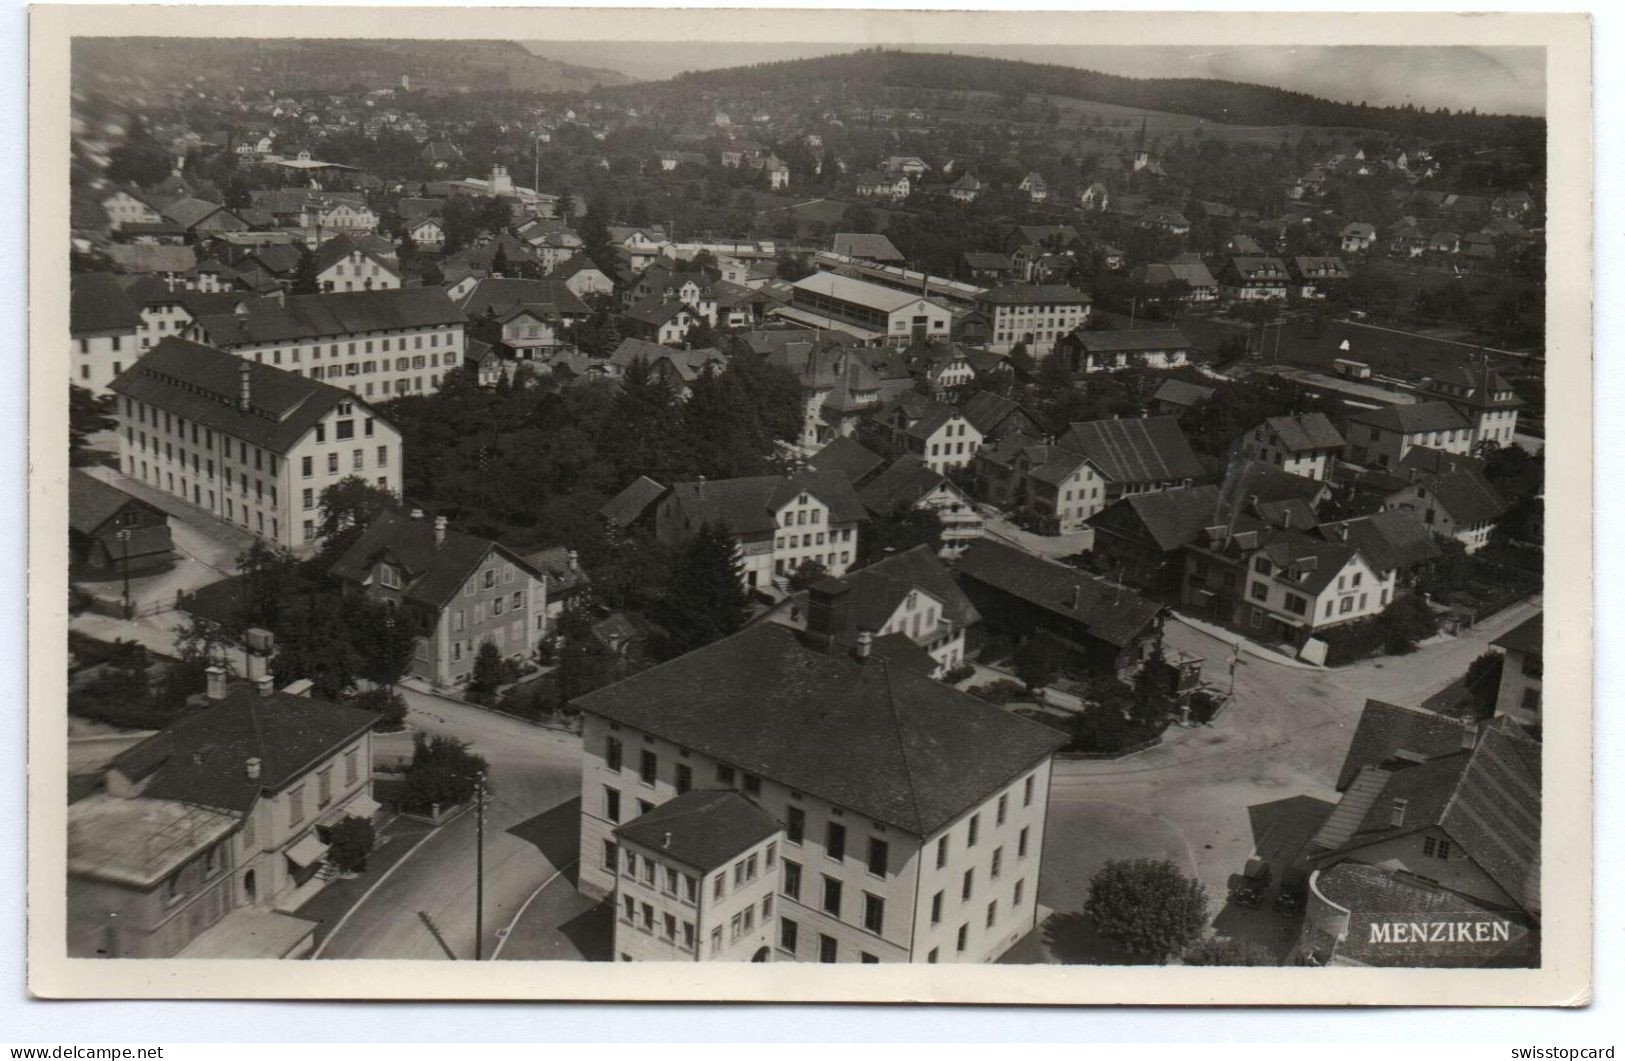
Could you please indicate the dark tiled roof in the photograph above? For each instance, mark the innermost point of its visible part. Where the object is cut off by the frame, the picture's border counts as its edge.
(92, 502)
(1410, 419)
(434, 574)
(920, 567)
(1527, 637)
(1386, 729)
(1374, 895)
(1179, 392)
(1390, 540)
(98, 304)
(883, 741)
(343, 245)
(1030, 294)
(1149, 449)
(202, 758)
(337, 313)
(1170, 518)
(847, 456)
(629, 506)
(749, 505)
(865, 245)
(702, 829)
(201, 383)
(1113, 614)
(1302, 433)
(905, 481)
(987, 411)
(1139, 340)
(1438, 461)
(1466, 496)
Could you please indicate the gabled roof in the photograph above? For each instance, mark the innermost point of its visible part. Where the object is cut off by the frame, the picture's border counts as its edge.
(630, 505)
(871, 245)
(433, 574)
(1301, 434)
(1391, 540)
(152, 257)
(993, 261)
(1527, 637)
(201, 758)
(1180, 392)
(1480, 382)
(1410, 419)
(847, 456)
(92, 502)
(335, 313)
(1140, 340)
(1195, 274)
(203, 384)
(1171, 519)
(1032, 294)
(504, 293)
(1468, 497)
(1147, 449)
(1114, 614)
(188, 212)
(905, 481)
(1385, 730)
(341, 246)
(987, 411)
(879, 740)
(750, 505)
(98, 304)
(701, 829)
(920, 567)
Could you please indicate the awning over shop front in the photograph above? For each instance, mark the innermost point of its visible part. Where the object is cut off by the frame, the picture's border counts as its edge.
(307, 850)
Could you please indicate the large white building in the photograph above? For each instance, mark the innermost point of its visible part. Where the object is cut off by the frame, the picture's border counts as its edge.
(875, 314)
(375, 344)
(251, 444)
(910, 816)
(1033, 314)
(104, 331)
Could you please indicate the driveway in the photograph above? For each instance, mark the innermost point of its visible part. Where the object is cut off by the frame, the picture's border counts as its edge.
(425, 909)
(1257, 779)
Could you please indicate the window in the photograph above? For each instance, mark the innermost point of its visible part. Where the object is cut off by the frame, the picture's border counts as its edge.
(992, 912)
(718, 883)
(631, 864)
(1004, 806)
(332, 464)
(874, 912)
(324, 787)
(612, 747)
(1259, 591)
(725, 775)
(967, 885)
(942, 852)
(792, 879)
(691, 889)
(963, 938)
(753, 784)
(936, 909)
(1435, 848)
(631, 908)
(878, 854)
(688, 935)
(932, 957)
(296, 805)
(1346, 605)
(716, 939)
(835, 841)
(975, 828)
(648, 918)
(867, 958)
(671, 881)
(612, 803)
(383, 456)
(998, 861)
(796, 825)
(685, 778)
(827, 949)
(647, 765)
(832, 896)
(1021, 844)
(612, 856)
(788, 931)
(304, 466)
(1262, 565)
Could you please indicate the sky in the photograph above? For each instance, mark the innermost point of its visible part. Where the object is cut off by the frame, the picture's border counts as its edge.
(1494, 80)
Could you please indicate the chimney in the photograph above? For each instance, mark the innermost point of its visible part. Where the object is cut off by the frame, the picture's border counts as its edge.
(665, 841)
(243, 386)
(1469, 735)
(417, 513)
(1342, 532)
(439, 531)
(828, 610)
(264, 685)
(1077, 597)
(252, 769)
(217, 682)
(575, 560)
(1396, 813)
(866, 641)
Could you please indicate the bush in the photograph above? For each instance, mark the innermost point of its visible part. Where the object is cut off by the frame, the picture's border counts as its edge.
(1147, 907)
(1000, 692)
(443, 773)
(959, 674)
(1221, 950)
(385, 702)
(350, 842)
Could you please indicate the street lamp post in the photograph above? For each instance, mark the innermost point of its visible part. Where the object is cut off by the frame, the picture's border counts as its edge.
(123, 535)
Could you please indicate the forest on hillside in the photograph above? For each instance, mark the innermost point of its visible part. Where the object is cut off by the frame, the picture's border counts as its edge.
(1219, 101)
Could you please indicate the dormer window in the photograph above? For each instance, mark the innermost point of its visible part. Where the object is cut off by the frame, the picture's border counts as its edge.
(389, 576)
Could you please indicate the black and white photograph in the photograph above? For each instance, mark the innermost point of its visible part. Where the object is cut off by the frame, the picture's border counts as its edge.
(850, 499)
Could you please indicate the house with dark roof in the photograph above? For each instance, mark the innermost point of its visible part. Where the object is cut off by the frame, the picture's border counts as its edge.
(995, 416)
(1523, 650)
(1142, 537)
(203, 833)
(1176, 397)
(867, 246)
(1031, 315)
(522, 320)
(104, 326)
(1459, 505)
(1429, 832)
(112, 533)
(376, 344)
(908, 483)
(454, 591)
(1180, 280)
(891, 788)
(1253, 278)
(1313, 278)
(1099, 626)
(778, 522)
(251, 444)
(1380, 437)
(1135, 456)
(838, 386)
(346, 263)
(1483, 397)
(847, 456)
(1393, 541)
(1108, 350)
(935, 432)
(633, 504)
(1306, 445)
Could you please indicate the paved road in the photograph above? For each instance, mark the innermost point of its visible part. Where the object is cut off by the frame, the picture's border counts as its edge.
(425, 909)
(1208, 797)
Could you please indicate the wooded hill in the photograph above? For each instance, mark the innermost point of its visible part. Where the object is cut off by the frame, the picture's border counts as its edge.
(1219, 101)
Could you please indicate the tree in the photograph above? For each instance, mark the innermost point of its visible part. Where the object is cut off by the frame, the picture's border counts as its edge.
(706, 600)
(140, 159)
(490, 671)
(808, 572)
(900, 530)
(385, 702)
(1034, 662)
(348, 507)
(268, 579)
(350, 842)
(443, 774)
(1222, 950)
(1407, 620)
(87, 414)
(305, 280)
(1147, 907)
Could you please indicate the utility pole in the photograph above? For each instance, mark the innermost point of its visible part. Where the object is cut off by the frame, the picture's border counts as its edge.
(479, 868)
(123, 535)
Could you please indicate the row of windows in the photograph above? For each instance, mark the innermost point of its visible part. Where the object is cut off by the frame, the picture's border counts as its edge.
(350, 348)
(358, 462)
(873, 915)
